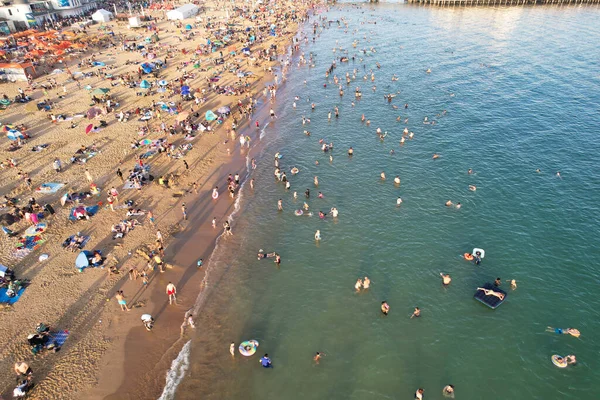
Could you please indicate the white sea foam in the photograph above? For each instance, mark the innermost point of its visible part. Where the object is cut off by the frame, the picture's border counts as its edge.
(262, 131)
(176, 373)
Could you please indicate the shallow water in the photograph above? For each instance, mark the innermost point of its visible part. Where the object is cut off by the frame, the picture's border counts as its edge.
(521, 87)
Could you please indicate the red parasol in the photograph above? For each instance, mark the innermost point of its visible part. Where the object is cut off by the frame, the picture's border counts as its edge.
(88, 128)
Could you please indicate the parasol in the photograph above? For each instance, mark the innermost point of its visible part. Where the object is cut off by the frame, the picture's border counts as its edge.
(93, 112)
(88, 128)
(224, 110)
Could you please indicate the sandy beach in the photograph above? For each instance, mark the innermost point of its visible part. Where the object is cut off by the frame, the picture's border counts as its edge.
(108, 353)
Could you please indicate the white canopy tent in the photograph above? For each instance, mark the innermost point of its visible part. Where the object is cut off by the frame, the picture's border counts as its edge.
(102, 16)
(183, 12)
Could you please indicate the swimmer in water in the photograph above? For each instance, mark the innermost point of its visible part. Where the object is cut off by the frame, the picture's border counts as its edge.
(316, 181)
(320, 196)
(317, 357)
(472, 188)
(307, 193)
(398, 202)
(416, 313)
(366, 283)
(448, 391)
(350, 152)
(397, 180)
(470, 171)
(436, 156)
(570, 359)
(489, 292)
(382, 176)
(232, 349)
(295, 195)
(385, 308)
(513, 283)
(358, 284)
(458, 205)
(497, 282)
(318, 235)
(445, 279)
(569, 331)
(449, 203)
(538, 170)
(558, 175)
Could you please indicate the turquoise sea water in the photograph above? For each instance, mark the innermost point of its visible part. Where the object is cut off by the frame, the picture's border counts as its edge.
(521, 87)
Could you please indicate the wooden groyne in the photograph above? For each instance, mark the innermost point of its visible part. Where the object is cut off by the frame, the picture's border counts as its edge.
(499, 2)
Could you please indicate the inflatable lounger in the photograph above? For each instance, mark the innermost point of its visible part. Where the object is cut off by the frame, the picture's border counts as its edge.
(491, 301)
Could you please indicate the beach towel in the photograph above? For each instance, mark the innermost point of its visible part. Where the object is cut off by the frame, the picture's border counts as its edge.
(50, 187)
(10, 300)
(128, 185)
(59, 338)
(81, 245)
(30, 243)
(91, 210)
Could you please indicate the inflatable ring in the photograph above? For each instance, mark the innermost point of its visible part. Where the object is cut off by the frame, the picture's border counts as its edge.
(559, 364)
(295, 170)
(468, 257)
(248, 347)
(298, 212)
(480, 251)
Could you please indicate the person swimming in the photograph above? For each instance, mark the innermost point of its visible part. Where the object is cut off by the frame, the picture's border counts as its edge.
(320, 195)
(397, 180)
(366, 283)
(513, 283)
(448, 391)
(334, 212)
(568, 331)
(398, 202)
(358, 284)
(318, 235)
(385, 308)
(322, 215)
(445, 279)
(416, 313)
(472, 188)
(382, 175)
(497, 282)
(449, 203)
(262, 255)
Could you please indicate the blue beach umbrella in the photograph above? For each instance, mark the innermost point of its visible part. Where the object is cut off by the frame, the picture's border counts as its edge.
(163, 83)
(14, 134)
(145, 84)
(188, 27)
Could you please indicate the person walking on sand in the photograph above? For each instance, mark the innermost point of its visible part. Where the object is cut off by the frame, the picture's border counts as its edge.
(171, 291)
(115, 194)
(150, 217)
(121, 300)
(214, 222)
(184, 211)
(88, 176)
(120, 174)
(159, 236)
(232, 349)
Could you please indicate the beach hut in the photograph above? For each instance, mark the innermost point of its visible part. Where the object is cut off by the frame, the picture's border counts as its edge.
(102, 16)
(183, 12)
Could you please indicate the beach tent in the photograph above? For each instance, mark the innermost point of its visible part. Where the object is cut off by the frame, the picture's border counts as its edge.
(183, 12)
(102, 16)
(210, 116)
(135, 22)
(145, 84)
(100, 91)
(83, 260)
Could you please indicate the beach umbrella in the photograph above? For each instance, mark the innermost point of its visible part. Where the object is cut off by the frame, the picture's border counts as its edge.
(210, 116)
(64, 198)
(163, 83)
(146, 142)
(185, 90)
(182, 116)
(88, 128)
(100, 91)
(224, 110)
(145, 84)
(188, 27)
(98, 64)
(93, 112)
(241, 74)
(5, 102)
(82, 259)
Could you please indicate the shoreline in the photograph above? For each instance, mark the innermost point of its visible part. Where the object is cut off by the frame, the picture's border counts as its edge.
(134, 348)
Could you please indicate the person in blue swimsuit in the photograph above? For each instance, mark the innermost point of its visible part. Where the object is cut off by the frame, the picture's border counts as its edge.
(265, 361)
